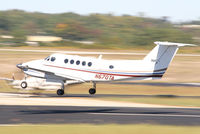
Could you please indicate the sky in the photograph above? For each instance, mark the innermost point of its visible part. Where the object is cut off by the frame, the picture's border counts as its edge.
(177, 10)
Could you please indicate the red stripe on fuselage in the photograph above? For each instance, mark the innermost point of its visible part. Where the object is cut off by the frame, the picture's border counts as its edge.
(125, 75)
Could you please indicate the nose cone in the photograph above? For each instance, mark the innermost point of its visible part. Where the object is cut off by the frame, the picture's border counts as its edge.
(19, 66)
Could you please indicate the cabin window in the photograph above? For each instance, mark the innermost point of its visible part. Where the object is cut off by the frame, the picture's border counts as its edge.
(111, 66)
(53, 59)
(89, 64)
(66, 61)
(77, 62)
(72, 61)
(83, 63)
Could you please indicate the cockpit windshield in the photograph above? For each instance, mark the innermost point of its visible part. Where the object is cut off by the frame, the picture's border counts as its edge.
(47, 58)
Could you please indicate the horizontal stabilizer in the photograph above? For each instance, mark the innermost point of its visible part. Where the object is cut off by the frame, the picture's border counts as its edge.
(173, 44)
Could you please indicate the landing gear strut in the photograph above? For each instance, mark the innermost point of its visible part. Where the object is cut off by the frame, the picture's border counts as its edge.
(61, 91)
(93, 90)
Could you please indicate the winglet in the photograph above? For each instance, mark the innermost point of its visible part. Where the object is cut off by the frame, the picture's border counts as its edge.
(173, 44)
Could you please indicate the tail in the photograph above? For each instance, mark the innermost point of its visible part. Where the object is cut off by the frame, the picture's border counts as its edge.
(162, 55)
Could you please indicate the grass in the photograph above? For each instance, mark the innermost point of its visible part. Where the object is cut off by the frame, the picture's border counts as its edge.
(4, 87)
(190, 102)
(135, 90)
(99, 129)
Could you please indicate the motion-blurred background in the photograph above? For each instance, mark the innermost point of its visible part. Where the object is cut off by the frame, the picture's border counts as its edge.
(129, 26)
(107, 25)
(22, 28)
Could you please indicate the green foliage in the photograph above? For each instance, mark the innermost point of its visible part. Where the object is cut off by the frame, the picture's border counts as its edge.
(106, 30)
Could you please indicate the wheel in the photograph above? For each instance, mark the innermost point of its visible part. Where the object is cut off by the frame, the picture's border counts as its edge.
(92, 91)
(24, 84)
(60, 92)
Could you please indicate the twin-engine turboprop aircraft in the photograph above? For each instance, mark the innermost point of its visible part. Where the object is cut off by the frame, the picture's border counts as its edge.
(60, 68)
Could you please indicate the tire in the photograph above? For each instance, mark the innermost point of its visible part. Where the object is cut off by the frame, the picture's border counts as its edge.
(92, 91)
(24, 84)
(60, 92)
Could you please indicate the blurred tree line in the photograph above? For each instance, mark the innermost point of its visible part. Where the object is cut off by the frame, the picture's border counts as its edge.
(104, 29)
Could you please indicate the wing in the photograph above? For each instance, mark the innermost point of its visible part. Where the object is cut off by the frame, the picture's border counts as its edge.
(50, 75)
(6, 79)
(69, 77)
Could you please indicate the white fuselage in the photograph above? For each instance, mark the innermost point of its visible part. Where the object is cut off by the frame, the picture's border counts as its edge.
(92, 69)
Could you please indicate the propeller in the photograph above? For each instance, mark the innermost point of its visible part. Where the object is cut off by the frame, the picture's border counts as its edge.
(13, 76)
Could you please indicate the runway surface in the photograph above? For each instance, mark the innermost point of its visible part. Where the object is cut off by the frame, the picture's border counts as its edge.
(48, 109)
(97, 115)
(46, 95)
(159, 84)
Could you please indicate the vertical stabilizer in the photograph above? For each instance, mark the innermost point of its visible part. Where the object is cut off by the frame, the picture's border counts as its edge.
(162, 55)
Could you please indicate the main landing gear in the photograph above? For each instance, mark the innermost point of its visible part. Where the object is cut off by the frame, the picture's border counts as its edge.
(61, 91)
(92, 91)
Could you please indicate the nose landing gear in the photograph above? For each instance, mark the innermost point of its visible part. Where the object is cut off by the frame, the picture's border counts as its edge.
(24, 84)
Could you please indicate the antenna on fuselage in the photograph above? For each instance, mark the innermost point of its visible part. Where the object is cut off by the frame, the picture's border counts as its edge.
(100, 56)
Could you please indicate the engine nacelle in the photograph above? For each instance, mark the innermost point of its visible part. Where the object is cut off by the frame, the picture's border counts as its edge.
(34, 73)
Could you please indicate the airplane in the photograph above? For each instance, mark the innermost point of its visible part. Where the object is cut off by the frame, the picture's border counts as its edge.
(60, 68)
